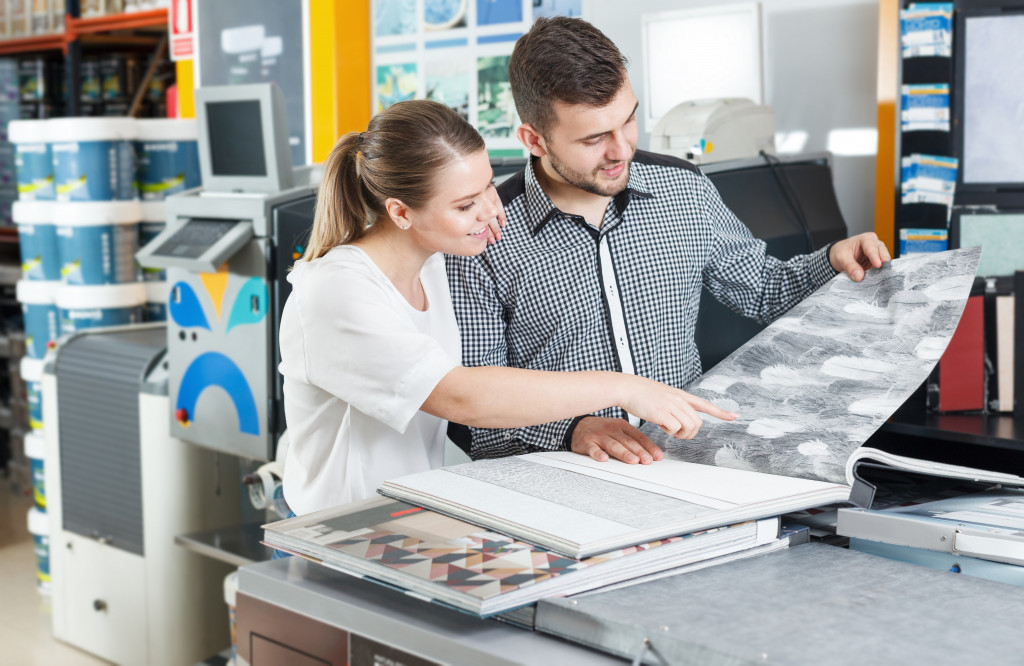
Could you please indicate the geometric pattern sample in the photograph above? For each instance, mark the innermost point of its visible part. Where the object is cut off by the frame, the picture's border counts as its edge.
(483, 564)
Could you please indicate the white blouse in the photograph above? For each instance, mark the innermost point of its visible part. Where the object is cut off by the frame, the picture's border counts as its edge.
(358, 363)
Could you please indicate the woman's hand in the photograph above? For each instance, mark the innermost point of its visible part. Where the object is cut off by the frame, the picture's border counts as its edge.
(498, 222)
(674, 411)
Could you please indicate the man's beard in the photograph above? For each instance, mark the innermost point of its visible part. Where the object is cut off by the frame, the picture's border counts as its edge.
(590, 184)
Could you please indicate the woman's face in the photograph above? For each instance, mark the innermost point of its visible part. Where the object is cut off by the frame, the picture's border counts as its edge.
(455, 220)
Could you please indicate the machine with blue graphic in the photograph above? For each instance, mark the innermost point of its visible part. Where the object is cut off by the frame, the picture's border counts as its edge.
(227, 248)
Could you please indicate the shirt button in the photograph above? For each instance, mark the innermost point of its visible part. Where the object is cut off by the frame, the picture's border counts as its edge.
(508, 437)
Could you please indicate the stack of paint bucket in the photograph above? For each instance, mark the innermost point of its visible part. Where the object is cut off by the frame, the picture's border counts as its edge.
(168, 163)
(38, 519)
(97, 217)
(80, 221)
(37, 293)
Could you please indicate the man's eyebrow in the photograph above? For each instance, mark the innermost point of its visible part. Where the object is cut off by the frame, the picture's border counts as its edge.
(594, 136)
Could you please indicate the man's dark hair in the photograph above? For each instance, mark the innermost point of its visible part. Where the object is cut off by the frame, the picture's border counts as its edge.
(563, 60)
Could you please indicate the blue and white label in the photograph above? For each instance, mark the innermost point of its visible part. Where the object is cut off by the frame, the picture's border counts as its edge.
(42, 326)
(166, 168)
(40, 258)
(34, 164)
(147, 232)
(39, 482)
(78, 319)
(94, 170)
(95, 255)
(925, 107)
(34, 391)
(155, 311)
(42, 548)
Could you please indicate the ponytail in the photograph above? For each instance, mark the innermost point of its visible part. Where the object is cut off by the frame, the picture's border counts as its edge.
(341, 215)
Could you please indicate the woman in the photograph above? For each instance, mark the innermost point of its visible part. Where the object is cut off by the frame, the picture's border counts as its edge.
(370, 348)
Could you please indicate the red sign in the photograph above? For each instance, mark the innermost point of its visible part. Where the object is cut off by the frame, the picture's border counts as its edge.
(181, 24)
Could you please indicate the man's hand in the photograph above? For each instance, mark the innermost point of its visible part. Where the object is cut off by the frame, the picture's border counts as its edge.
(600, 437)
(858, 253)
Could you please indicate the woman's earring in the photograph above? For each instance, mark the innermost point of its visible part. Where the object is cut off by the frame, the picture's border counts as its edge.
(404, 227)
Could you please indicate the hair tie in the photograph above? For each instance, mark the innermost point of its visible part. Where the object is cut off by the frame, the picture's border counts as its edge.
(359, 140)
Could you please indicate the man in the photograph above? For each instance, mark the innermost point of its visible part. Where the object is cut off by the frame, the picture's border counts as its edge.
(607, 248)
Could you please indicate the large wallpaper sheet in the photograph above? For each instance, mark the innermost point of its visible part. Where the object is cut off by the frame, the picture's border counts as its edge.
(814, 385)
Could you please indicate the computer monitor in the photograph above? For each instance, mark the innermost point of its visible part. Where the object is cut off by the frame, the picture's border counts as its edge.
(987, 98)
(243, 138)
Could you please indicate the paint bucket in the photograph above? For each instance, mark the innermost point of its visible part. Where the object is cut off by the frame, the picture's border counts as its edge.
(35, 451)
(32, 374)
(39, 310)
(231, 599)
(97, 240)
(92, 306)
(37, 238)
(39, 527)
(154, 220)
(93, 158)
(32, 159)
(168, 157)
(156, 301)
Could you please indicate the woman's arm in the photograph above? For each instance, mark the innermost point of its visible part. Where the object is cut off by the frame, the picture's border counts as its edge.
(498, 397)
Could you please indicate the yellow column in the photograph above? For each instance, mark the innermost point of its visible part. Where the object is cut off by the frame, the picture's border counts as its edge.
(885, 160)
(186, 89)
(340, 61)
(339, 48)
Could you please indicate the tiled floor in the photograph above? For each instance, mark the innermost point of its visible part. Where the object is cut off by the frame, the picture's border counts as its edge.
(26, 636)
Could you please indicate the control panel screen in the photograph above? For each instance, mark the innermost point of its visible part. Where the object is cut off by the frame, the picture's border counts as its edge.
(194, 238)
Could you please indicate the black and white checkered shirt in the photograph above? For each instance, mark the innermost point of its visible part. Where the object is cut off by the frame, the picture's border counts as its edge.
(557, 294)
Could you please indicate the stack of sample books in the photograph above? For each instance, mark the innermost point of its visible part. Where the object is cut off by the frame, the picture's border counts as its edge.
(437, 558)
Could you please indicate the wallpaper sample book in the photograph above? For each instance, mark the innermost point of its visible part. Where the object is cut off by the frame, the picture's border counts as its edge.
(809, 389)
(437, 558)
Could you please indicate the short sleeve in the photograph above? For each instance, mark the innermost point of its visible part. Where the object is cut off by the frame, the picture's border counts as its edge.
(361, 348)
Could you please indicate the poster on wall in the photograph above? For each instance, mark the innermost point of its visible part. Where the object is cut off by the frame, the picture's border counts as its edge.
(456, 52)
(259, 41)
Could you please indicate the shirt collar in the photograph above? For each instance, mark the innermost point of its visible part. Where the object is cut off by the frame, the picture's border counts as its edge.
(540, 209)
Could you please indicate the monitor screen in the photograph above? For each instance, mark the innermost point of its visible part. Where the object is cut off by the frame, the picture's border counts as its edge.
(993, 96)
(235, 131)
(1001, 234)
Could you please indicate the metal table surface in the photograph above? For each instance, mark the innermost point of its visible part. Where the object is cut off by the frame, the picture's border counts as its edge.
(428, 630)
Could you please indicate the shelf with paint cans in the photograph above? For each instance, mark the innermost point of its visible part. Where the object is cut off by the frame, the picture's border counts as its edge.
(57, 32)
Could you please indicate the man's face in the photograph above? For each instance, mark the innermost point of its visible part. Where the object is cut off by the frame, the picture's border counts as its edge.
(592, 148)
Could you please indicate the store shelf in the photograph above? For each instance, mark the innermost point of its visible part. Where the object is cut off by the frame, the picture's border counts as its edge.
(1000, 431)
(151, 19)
(54, 42)
(235, 544)
(75, 28)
